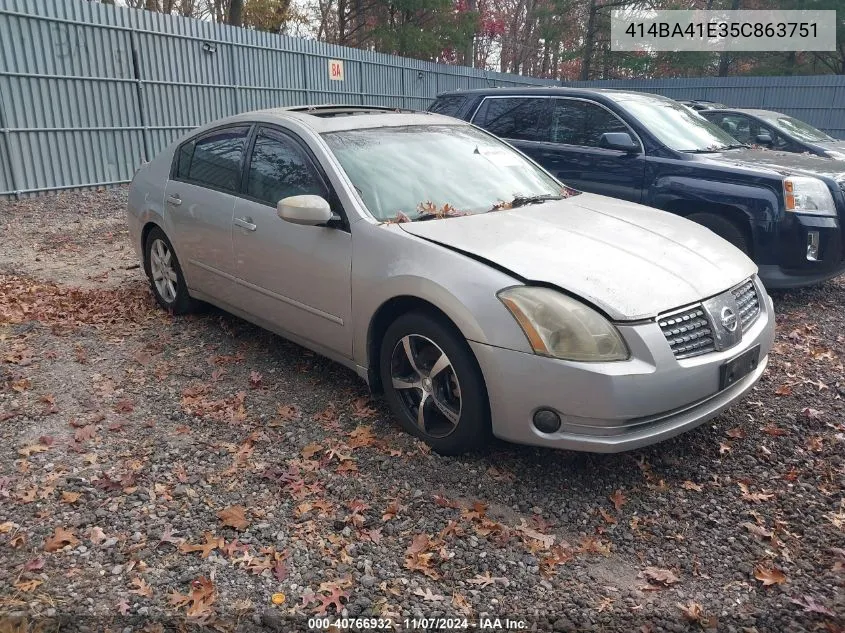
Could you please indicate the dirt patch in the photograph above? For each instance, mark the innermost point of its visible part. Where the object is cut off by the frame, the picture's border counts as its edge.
(160, 471)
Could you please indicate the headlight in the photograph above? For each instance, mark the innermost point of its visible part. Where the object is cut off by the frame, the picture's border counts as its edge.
(561, 327)
(804, 194)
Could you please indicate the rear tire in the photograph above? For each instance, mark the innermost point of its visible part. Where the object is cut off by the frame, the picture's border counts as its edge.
(724, 228)
(165, 274)
(433, 384)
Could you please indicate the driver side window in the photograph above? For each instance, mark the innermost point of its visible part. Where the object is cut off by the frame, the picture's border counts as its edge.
(279, 168)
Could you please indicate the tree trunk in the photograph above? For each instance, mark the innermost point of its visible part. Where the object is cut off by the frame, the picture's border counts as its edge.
(236, 13)
(724, 56)
(589, 42)
(469, 50)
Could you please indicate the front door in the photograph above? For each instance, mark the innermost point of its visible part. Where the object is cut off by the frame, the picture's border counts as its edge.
(575, 155)
(294, 277)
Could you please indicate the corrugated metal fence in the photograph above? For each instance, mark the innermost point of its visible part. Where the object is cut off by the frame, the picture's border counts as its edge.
(819, 100)
(87, 91)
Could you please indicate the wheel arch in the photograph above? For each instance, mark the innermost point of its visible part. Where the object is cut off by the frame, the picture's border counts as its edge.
(735, 215)
(149, 225)
(386, 314)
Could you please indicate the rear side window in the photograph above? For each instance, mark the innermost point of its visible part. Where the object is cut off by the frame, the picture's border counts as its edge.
(279, 168)
(217, 159)
(519, 118)
(449, 105)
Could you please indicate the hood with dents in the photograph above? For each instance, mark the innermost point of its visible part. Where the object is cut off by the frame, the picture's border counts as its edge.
(785, 163)
(631, 261)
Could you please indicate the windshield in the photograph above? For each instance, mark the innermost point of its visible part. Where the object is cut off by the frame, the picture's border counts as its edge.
(800, 130)
(413, 172)
(677, 127)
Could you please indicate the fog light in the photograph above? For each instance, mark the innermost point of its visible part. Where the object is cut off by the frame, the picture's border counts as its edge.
(546, 420)
(813, 246)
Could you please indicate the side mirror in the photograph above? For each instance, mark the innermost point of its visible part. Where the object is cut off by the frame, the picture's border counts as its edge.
(764, 139)
(306, 210)
(619, 140)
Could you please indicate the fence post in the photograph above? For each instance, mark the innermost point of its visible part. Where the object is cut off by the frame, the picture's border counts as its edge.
(139, 91)
(305, 78)
(13, 165)
(232, 73)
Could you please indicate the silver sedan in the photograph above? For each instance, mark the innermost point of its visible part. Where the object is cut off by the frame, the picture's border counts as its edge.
(457, 277)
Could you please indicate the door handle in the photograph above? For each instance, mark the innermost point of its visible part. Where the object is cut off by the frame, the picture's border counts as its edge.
(245, 223)
(174, 199)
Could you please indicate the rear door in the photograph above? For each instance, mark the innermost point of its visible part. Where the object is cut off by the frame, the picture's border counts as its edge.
(522, 121)
(200, 202)
(574, 153)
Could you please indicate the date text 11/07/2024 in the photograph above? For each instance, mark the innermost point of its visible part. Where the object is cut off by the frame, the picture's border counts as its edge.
(418, 624)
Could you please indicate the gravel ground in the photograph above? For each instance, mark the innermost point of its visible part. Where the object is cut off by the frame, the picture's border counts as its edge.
(158, 471)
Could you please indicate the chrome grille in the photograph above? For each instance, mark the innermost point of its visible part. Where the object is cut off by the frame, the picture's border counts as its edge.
(748, 304)
(688, 332)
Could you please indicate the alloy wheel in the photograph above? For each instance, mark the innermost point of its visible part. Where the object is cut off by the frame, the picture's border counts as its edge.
(163, 271)
(427, 385)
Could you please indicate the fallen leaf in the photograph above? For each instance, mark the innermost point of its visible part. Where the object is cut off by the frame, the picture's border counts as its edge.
(689, 485)
(809, 412)
(234, 516)
(664, 577)
(70, 497)
(122, 606)
(784, 390)
(27, 586)
(809, 605)
(774, 431)
(618, 500)
(769, 576)
(755, 497)
(61, 538)
(211, 543)
(736, 433)
(26, 451)
(34, 565)
(310, 450)
(141, 587)
(758, 530)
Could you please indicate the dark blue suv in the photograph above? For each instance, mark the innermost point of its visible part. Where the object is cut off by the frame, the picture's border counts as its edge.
(786, 211)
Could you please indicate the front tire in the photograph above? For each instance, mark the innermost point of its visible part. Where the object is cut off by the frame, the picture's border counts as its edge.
(433, 384)
(165, 274)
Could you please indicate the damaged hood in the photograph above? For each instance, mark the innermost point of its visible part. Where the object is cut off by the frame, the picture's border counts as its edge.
(630, 261)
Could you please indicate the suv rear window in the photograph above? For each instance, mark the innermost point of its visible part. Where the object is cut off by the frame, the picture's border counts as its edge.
(449, 105)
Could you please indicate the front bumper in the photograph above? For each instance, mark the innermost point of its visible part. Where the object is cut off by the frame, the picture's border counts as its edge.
(619, 406)
(793, 268)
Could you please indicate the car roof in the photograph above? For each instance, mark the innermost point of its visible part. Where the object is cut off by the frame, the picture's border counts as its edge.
(752, 111)
(333, 118)
(608, 93)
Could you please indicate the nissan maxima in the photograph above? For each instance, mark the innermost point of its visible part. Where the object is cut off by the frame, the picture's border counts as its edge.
(458, 278)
